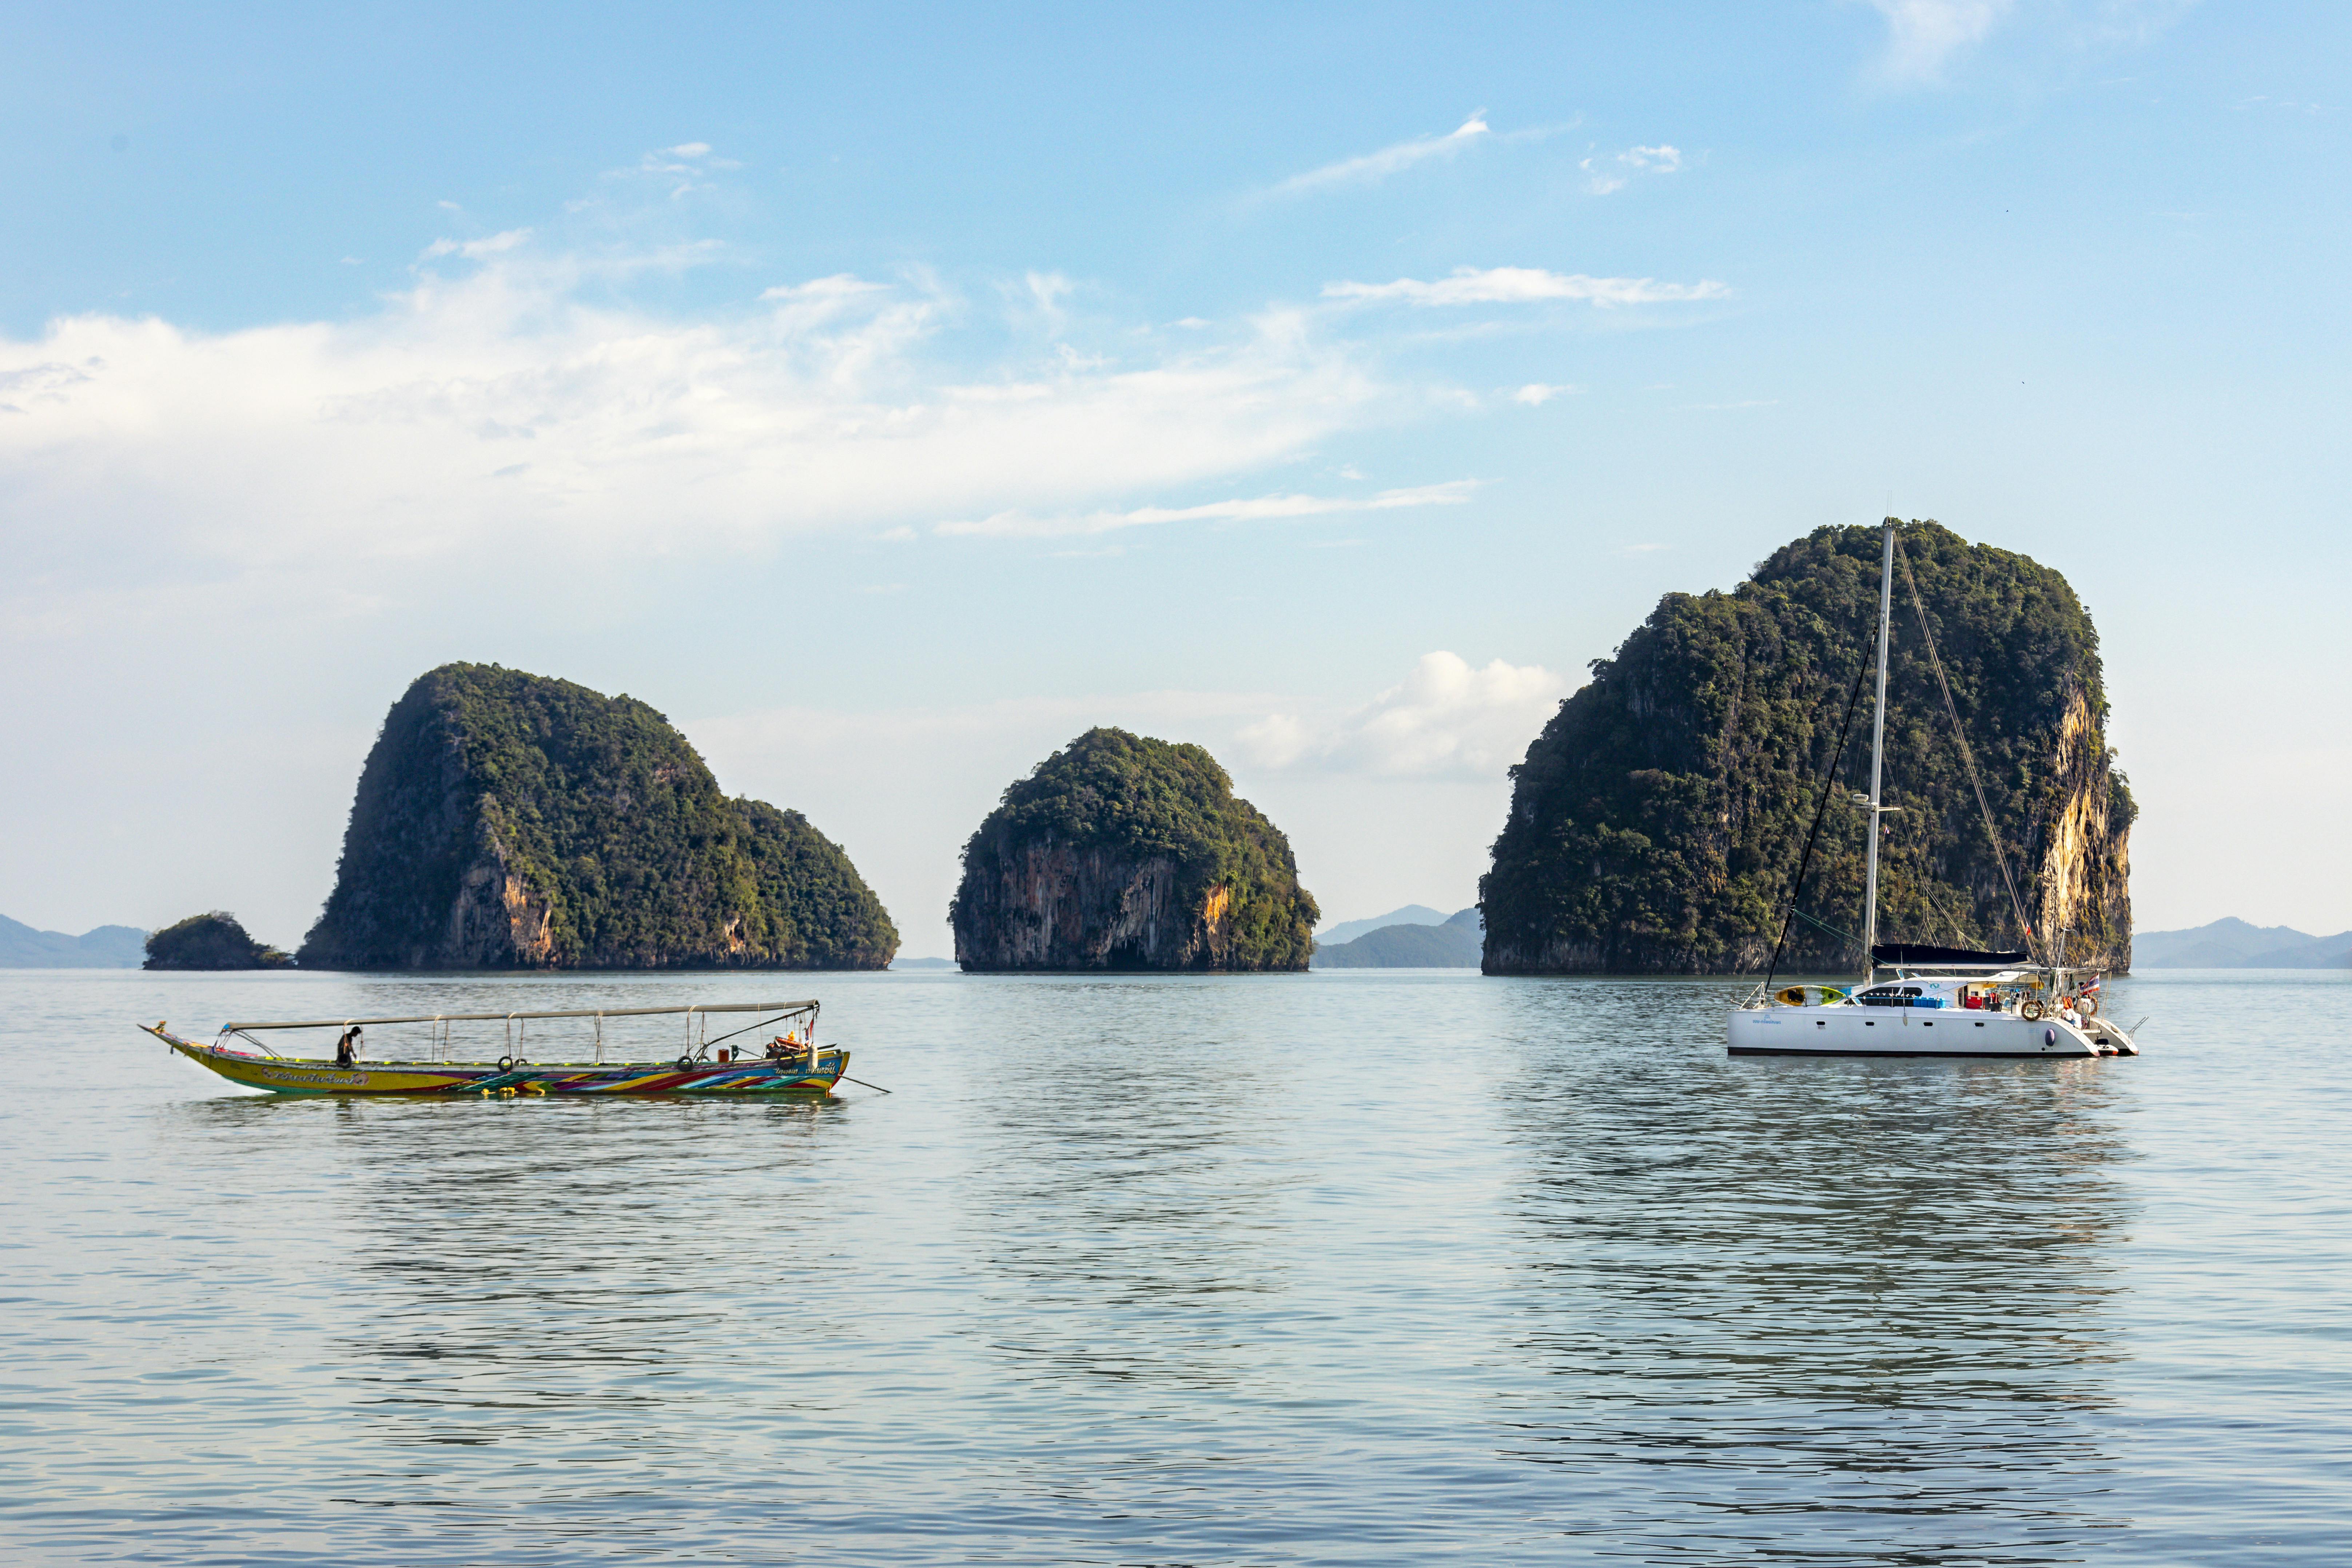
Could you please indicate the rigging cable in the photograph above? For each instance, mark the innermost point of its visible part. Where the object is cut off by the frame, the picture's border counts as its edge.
(2000, 855)
(1838, 931)
(1804, 861)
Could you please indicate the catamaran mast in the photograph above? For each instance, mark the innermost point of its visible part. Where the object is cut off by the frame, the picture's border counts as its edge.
(1877, 752)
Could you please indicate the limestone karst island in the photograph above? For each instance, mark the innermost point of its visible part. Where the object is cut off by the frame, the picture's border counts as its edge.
(511, 821)
(1657, 823)
(1120, 852)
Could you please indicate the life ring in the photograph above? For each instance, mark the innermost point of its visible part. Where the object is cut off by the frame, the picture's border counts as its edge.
(506, 1064)
(2030, 1009)
(686, 1064)
(2087, 1006)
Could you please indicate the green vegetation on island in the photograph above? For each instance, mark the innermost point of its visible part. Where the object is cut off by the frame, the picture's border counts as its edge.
(1657, 823)
(506, 820)
(1124, 852)
(213, 941)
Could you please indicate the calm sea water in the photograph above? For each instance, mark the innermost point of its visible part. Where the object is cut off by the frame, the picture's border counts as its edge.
(1358, 1267)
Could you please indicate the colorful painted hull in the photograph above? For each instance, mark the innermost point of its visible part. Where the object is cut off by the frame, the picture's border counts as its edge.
(279, 1075)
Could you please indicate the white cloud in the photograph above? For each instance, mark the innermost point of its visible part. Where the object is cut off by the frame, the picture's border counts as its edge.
(1612, 172)
(1524, 285)
(475, 249)
(1259, 509)
(1445, 718)
(324, 446)
(1536, 394)
(1373, 167)
(689, 149)
(1922, 35)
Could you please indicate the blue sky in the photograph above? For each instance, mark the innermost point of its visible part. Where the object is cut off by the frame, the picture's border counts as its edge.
(887, 393)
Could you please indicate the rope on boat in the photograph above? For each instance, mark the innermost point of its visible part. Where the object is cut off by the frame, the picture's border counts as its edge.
(1796, 889)
(863, 1084)
(1824, 925)
(2000, 854)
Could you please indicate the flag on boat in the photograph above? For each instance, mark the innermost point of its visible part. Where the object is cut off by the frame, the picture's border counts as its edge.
(2090, 986)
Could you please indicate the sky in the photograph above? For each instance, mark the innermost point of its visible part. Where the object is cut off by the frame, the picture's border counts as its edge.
(887, 393)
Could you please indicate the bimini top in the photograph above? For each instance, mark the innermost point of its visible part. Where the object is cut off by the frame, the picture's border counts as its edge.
(1945, 957)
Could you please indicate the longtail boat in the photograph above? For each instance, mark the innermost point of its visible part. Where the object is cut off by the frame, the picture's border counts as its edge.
(780, 1057)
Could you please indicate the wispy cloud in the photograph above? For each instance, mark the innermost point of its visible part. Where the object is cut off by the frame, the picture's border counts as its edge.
(517, 407)
(1447, 716)
(1536, 394)
(1524, 285)
(1923, 35)
(2291, 105)
(1612, 172)
(685, 167)
(1373, 167)
(476, 249)
(1255, 508)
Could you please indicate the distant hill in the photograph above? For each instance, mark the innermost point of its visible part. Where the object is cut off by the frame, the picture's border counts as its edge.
(1453, 944)
(1411, 915)
(97, 948)
(102, 947)
(2233, 943)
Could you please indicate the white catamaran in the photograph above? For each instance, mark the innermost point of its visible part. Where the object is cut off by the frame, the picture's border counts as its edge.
(1919, 1001)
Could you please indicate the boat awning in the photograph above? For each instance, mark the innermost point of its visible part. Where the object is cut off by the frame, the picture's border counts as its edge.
(1945, 957)
(499, 1018)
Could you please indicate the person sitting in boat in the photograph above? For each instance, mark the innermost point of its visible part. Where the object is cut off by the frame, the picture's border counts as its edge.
(347, 1049)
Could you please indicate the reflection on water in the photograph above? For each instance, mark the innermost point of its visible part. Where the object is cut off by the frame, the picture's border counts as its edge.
(1819, 1302)
(1353, 1268)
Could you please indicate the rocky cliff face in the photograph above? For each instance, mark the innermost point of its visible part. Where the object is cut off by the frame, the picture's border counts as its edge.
(1657, 823)
(509, 821)
(1126, 853)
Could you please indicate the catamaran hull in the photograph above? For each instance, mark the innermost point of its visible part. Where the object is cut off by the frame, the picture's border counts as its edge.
(794, 1075)
(1851, 1031)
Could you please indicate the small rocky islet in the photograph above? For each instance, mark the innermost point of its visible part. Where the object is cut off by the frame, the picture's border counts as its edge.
(1119, 853)
(214, 940)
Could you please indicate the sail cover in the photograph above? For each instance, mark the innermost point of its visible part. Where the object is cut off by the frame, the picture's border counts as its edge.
(1943, 957)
